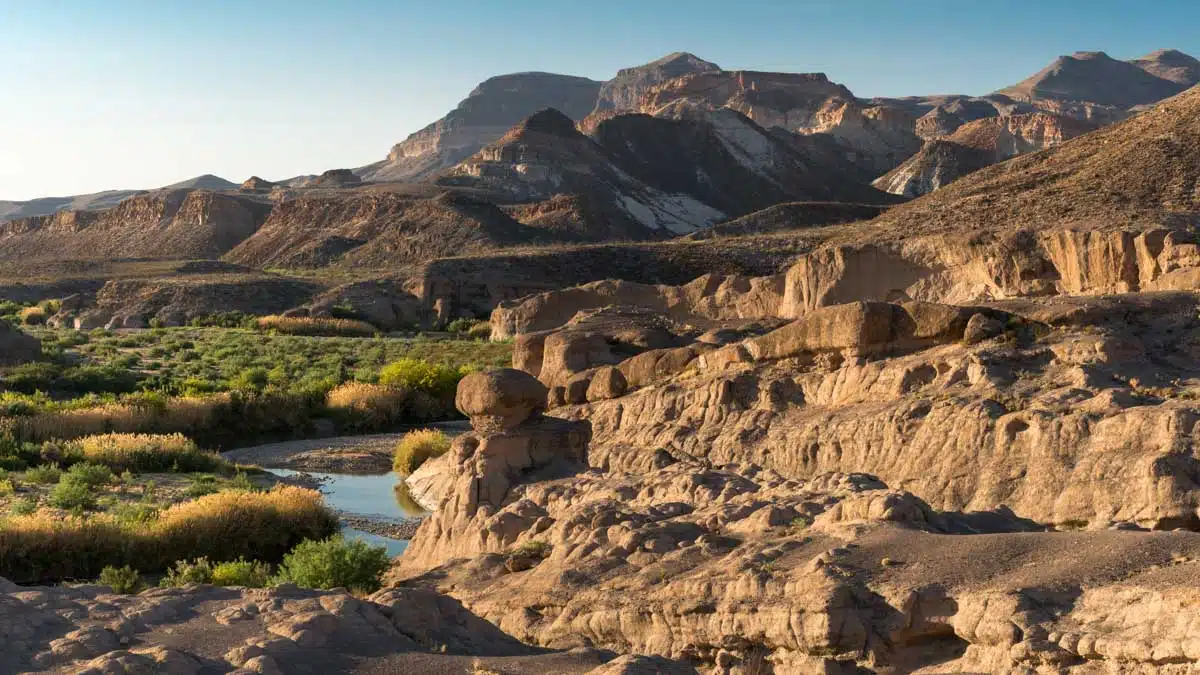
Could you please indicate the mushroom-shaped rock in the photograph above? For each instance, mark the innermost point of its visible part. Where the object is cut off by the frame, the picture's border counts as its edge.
(500, 400)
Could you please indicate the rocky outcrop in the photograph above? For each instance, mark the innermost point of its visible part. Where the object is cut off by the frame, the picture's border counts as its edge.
(484, 116)
(625, 91)
(192, 630)
(511, 444)
(668, 547)
(255, 184)
(334, 178)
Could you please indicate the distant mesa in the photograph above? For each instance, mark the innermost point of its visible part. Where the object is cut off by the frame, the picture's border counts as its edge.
(256, 184)
(204, 182)
(336, 178)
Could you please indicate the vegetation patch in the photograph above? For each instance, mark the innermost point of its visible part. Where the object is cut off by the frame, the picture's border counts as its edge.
(417, 447)
(226, 526)
(329, 327)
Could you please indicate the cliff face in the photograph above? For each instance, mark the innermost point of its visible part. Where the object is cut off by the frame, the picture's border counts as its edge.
(976, 145)
(174, 224)
(624, 91)
(485, 115)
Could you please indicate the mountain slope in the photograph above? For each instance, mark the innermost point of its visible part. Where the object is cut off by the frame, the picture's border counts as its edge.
(976, 145)
(1172, 65)
(644, 176)
(485, 115)
(1094, 77)
(1141, 172)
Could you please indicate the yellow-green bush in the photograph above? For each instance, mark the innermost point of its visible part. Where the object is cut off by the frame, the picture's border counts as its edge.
(418, 375)
(368, 405)
(418, 446)
(33, 316)
(222, 527)
(304, 325)
(148, 452)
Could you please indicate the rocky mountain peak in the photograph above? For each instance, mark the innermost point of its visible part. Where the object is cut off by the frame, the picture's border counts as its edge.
(547, 121)
(623, 92)
(1094, 78)
(1171, 64)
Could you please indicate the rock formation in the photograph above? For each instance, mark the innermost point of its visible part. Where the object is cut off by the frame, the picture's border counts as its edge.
(201, 629)
(625, 91)
(724, 520)
(484, 116)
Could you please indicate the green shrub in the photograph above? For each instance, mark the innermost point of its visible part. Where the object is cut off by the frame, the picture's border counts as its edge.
(251, 380)
(418, 446)
(334, 563)
(71, 495)
(183, 573)
(242, 572)
(122, 580)
(89, 474)
(414, 374)
(135, 513)
(47, 474)
(24, 506)
(201, 486)
(7, 487)
(149, 453)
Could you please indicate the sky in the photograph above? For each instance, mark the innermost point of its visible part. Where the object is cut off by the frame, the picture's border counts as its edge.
(124, 94)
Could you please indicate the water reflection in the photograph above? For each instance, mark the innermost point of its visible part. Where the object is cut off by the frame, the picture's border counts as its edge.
(378, 496)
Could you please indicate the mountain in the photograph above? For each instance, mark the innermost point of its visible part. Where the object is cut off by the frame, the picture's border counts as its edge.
(204, 182)
(1143, 172)
(1172, 65)
(625, 91)
(641, 176)
(1094, 78)
(484, 116)
(976, 145)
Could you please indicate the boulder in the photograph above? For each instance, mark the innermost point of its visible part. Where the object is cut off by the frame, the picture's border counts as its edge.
(607, 383)
(981, 327)
(500, 399)
(856, 327)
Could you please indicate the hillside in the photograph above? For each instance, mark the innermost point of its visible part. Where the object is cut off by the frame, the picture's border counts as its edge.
(975, 145)
(1094, 77)
(1142, 171)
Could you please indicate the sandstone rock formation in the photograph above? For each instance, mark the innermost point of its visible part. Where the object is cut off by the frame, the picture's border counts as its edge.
(484, 116)
(256, 184)
(201, 629)
(723, 520)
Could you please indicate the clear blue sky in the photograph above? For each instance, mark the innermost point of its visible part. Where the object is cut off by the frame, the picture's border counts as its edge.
(98, 94)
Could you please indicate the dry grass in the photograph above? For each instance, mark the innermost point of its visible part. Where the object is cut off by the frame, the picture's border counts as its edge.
(371, 405)
(179, 415)
(33, 316)
(223, 526)
(148, 452)
(417, 447)
(303, 325)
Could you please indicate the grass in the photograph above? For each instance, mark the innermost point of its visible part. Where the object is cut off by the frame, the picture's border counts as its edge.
(226, 526)
(328, 327)
(226, 386)
(417, 447)
(149, 453)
